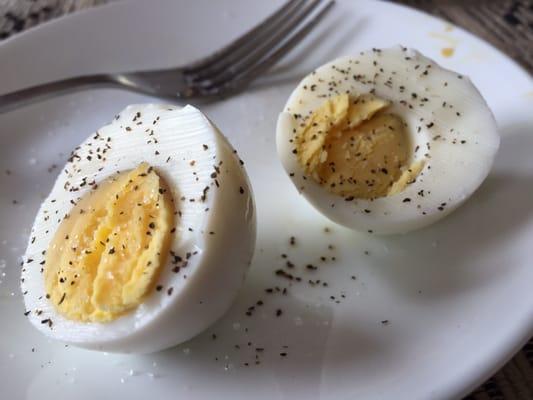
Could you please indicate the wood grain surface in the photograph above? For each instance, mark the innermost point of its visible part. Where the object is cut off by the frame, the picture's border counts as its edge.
(506, 24)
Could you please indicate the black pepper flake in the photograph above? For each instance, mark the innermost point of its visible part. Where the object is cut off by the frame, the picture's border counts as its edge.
(284, 274)
(406, 200)
(205, 146)
(241, 190)
(112, 250)
(292, 241)
(159, 288)
(170, 290)
(385, 322)
(62, 299)
(279, 311)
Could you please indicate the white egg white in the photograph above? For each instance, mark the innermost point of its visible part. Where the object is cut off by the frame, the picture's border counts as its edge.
(451, 129)
(214, 234)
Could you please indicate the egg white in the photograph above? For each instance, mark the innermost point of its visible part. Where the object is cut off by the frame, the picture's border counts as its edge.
(169, 139)
(447, 119)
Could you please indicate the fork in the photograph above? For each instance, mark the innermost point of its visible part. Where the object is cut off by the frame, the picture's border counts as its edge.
(219, 75)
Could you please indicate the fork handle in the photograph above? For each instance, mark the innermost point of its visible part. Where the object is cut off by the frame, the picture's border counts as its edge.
(33, 94)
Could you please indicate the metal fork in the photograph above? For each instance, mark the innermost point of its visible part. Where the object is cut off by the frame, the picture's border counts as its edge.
(219, 75)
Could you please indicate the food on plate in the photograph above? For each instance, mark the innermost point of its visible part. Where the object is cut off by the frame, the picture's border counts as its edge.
(386, 141)
(146, 236)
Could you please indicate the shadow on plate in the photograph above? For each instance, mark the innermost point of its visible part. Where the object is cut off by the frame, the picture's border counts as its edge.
(271, 346)
(460, 253)
(458, 262)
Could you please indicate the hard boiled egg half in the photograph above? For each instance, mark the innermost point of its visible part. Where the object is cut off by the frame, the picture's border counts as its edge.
(146, 236)
(386, 141)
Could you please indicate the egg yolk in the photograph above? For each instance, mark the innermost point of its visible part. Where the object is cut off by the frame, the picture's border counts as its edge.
(355, 148)
(107, 253)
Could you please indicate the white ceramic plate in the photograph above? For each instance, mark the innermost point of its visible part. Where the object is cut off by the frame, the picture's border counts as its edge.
(458, 297)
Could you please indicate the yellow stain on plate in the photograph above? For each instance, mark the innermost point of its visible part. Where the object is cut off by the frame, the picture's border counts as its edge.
(450, 43)
(447, 52)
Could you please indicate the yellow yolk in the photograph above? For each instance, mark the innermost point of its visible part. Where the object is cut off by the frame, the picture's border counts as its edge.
(355, 149)
(106, 255)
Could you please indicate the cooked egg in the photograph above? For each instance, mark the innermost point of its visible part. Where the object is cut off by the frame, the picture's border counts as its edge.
(386, 141)
(146, 236)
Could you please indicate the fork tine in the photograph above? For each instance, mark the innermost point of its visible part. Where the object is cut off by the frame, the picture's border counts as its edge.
(247, 55)
(248, 45)
(212, 59)
(260, 66)
(262, 60)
